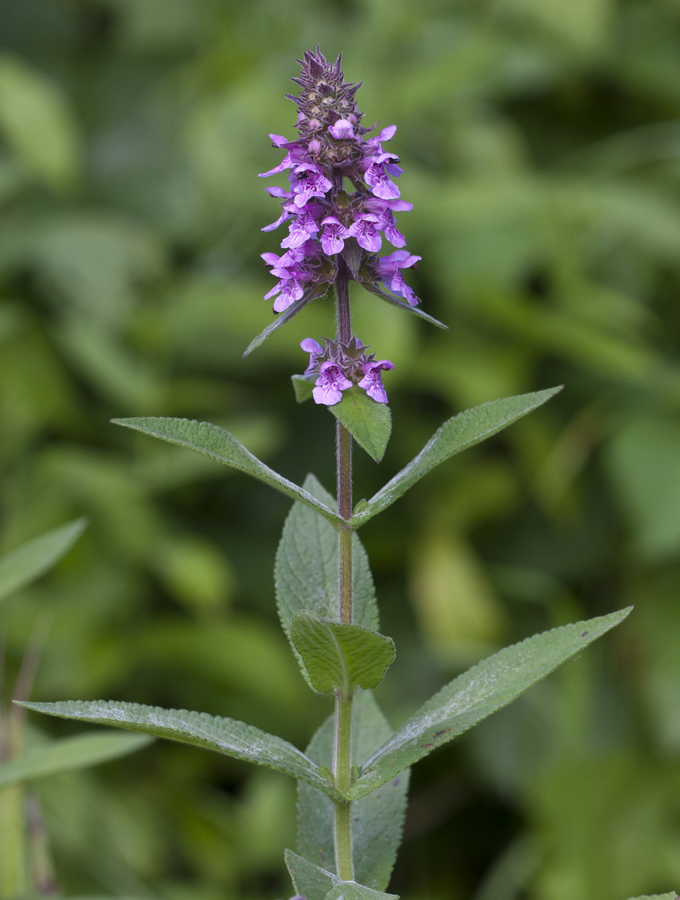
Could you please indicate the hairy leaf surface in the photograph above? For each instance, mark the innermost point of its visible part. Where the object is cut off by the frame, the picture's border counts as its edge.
(281, 319)
(340, 656)
(70, 753)
(211, 732)
(317, 884)
(478, 693)
(306, 570)
(460, 432)
(369, 422)
(394, 301)
(218, 444)
(28, 562)
(377, 819)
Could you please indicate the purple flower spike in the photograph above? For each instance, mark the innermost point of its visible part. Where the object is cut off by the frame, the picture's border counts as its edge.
(372, 380)
(309, 345)
(333, 150)
(329, 385)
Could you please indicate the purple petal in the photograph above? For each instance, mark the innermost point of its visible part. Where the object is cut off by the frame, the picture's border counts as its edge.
(309, 345)
(278, 140)
(386, 134)
(342, 130)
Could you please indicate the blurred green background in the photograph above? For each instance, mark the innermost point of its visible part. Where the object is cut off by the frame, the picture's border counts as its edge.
(541, 147)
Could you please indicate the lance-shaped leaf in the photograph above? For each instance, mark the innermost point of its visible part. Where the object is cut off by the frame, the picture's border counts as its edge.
(211, 732)
(68, 754)
(369, 422)
(476, 694)
(462, 431)
(316, 884)
(414, 310)
(671, 896)
(283, 317)
(23, 565)
(306, 571)
(377, 819)
(216, 443)
(340, 656)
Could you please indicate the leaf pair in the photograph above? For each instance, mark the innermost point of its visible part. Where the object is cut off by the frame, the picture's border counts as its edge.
(315, 883)
(462, 431)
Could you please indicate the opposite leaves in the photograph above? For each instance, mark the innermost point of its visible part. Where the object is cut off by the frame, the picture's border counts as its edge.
(211, 732)
(462, 431)
(377, 819)
(316, 884)
(23, 565)
(216, 443)
(306, 571)
(478, 693)
(340, 656)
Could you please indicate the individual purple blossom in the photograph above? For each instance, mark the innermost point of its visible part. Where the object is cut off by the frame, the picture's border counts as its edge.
(372, 380)
(389, 270)
(342, 130)
(330, 384)
(364, 229)
(334, 235)
(309, 345)
(310, 182)
(300, 230)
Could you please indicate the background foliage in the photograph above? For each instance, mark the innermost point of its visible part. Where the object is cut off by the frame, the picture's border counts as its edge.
(541, 146)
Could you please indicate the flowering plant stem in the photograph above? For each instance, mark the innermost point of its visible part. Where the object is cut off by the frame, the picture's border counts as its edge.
(343, 703)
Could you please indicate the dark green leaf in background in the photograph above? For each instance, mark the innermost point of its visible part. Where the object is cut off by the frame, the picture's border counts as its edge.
(369, 422)
(28, 562)
(69, 753)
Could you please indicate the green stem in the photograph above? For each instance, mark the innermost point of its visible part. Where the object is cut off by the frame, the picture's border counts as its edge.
(342, 763)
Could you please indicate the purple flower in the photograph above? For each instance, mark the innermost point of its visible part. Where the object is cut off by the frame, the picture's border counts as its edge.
(289, 290)
(388, 268)
(311, 182)
(330, 383)
(386, 221)
(342, 130)
(364, 229)
(300, 230)
(372, 380)
(309, 345)
(334, 236)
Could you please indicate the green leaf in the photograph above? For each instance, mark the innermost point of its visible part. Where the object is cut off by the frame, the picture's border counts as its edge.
(281, 319)
(671, 896)
(476, 694)
(340, 656)
(377, 819)
(369, 422)
(79, 752)
(306, 570)
(223, 735)
(37, 123)
(414, 310)
(28, 562)
(317, 884)
(303, 385)
(460, 432)
(216, 443)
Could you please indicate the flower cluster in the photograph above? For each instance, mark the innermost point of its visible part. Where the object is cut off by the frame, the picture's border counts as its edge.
(341, 198)
(339, 366)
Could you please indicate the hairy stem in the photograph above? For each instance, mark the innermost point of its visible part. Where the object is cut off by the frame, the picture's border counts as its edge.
(343, 704)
